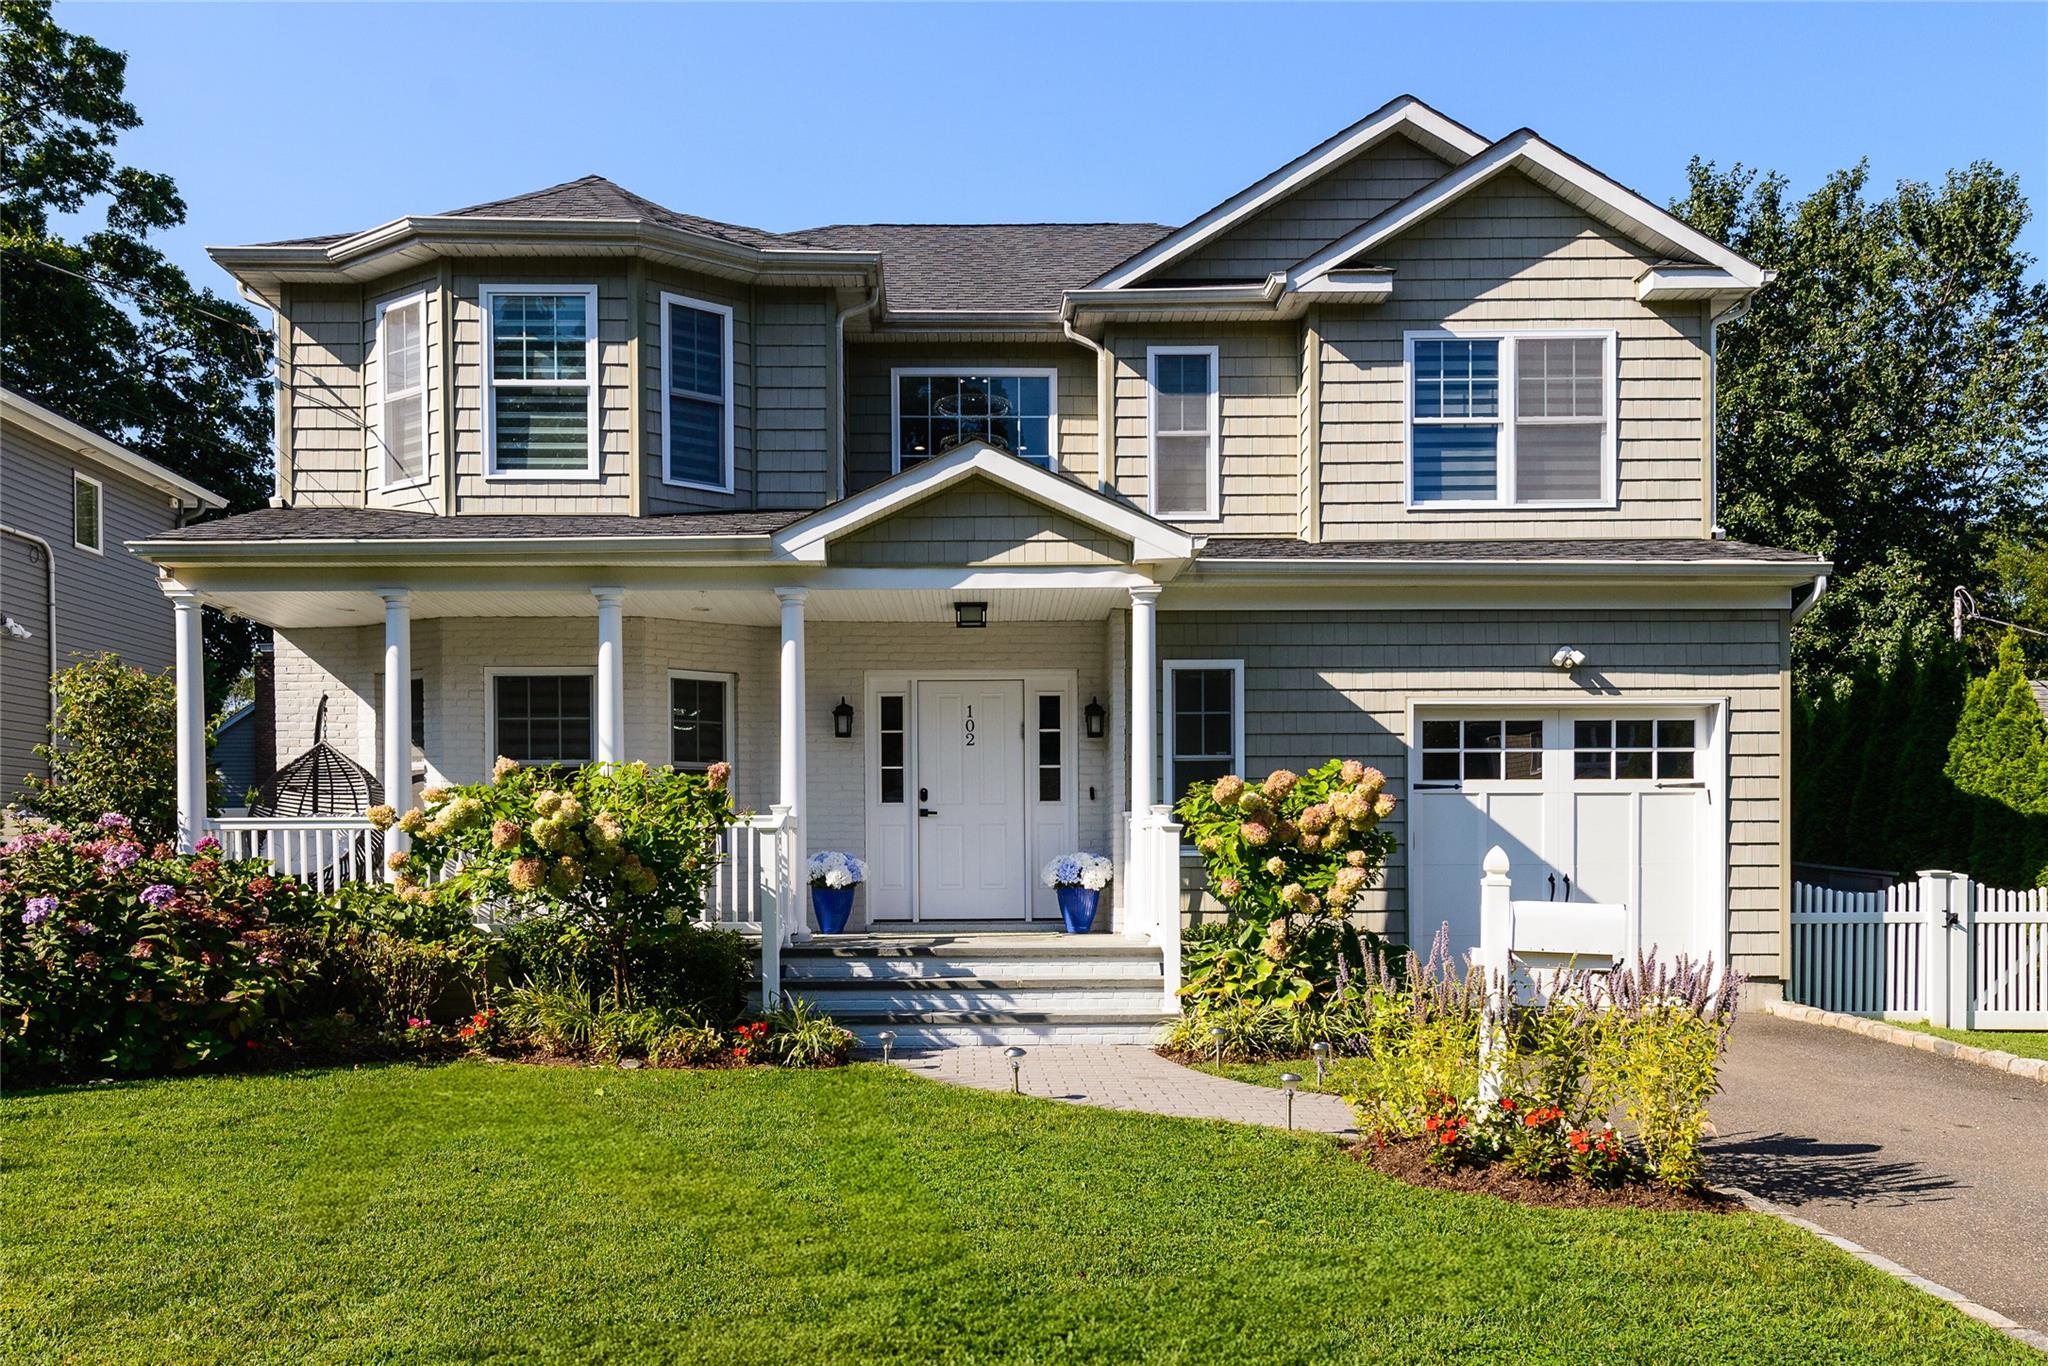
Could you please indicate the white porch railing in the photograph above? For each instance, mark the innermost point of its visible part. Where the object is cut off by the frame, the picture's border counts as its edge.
(1943, 948)
(758, 887)
(1151, 889)
(322, 851)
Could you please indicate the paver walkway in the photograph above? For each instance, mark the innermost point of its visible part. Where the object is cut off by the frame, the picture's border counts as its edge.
(1128, 1077)
(1937, 1164)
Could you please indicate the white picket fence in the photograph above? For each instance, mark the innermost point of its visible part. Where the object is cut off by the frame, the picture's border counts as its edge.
(1942, 948)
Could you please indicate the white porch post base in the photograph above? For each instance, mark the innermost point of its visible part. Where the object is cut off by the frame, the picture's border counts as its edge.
(397, 719)
(611, 674)
(189, 618)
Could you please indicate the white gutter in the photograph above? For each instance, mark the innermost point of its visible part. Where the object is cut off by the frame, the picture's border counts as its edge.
(1805, 605)
(839, 373)
(1105, 416)
(50, 561)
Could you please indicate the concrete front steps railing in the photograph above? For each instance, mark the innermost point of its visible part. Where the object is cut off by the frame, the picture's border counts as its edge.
(946, 990)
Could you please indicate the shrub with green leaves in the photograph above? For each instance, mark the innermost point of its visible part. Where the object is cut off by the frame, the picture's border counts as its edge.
(606, 857)
(801, 1035)
(113, 747)
(120, 955)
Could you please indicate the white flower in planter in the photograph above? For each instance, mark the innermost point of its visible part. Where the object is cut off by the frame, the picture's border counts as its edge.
(1078, 870)
(836, 870)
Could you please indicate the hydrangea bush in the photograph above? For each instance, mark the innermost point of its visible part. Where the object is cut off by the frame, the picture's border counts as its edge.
(124, 955)
(836, 870)
(1288, 857)
(1091, 871)
(610, 856)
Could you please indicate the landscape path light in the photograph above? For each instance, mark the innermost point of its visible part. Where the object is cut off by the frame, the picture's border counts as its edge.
(1322, 1052)
(886, 1038)
(1217, 1034)
(1288, 1082)
(1016, 1057)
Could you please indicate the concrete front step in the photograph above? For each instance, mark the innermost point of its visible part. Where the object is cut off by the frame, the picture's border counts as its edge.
(928, 1033)
(853, 999)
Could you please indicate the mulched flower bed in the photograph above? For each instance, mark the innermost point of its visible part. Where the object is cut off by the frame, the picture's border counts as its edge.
(1407, 1160)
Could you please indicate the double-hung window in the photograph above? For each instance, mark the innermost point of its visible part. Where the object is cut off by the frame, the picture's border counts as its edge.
(1204, 722)
(85, 512)
(1012, 410)
(1522, 419)
(542, 718)
(540, 414)
(700, 725)
(399, 423)
(1186, 431)
(696, 349)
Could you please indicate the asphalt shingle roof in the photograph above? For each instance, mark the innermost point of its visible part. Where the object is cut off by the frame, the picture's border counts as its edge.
(988, 267)
(385, 524)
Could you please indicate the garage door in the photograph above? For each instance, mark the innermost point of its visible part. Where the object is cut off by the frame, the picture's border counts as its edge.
(1592, 805)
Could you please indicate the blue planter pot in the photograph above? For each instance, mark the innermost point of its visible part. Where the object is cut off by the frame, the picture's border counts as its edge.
(833, 905)
(1077, 908)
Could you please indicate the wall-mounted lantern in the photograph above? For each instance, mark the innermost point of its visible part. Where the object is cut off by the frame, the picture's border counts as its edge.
(1096, 718)
(842, 720)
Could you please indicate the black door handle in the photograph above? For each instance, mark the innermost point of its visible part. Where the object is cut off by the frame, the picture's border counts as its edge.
(1567, 887)
(1553, 888)
(926, 811)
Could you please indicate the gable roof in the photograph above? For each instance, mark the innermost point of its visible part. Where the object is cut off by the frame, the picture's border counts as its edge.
(1562, 174)
(60, 430)
(1404, 114)
(1150, 538)
(987, 267)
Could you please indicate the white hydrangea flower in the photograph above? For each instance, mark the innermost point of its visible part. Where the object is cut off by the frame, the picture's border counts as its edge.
(1078, 870)
(836, 870)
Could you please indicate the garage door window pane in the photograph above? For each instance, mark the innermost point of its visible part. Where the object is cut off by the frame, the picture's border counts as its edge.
(1523, 741)
(1489, 750)
(1633, 749)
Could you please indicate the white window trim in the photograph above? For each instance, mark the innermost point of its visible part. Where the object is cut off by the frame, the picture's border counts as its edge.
(491, 384)
(99, 502)
(1214, 511)
(494, 672)
(668, 424)
(1168, 669)
(384, 462)
(1504, 459)
(731, 683)
(902, 372)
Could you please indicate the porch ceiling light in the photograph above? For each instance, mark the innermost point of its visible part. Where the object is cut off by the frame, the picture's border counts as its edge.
(1095, 717)
(842, 720)
(970, 616)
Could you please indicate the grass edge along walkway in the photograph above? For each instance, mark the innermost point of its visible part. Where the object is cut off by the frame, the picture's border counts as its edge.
(504, 1212)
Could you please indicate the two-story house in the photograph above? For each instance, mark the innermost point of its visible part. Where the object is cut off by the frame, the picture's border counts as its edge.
(972, 544)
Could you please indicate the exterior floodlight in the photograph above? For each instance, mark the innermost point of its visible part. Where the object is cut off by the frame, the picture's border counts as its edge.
(1567, 658)
(1016, 1057)
(1288, 1081)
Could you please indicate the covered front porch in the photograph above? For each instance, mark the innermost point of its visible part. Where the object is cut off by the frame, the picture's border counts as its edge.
(954, 725)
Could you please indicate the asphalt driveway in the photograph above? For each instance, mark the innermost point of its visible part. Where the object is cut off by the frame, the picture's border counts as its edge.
(1940, 1165)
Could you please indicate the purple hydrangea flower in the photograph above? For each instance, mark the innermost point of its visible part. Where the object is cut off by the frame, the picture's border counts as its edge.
(84, 927)
(208, 844)
(40, 908)
(158, 895)
(122, 856)
(114, 820)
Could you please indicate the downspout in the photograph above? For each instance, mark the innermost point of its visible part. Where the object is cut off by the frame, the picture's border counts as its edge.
(1805, 604)
(50, 562)
(839, 386)
(1105, 435)
(280, 389)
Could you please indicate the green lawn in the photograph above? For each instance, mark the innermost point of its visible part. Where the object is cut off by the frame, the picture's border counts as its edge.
(496, 1213)
(2026, 1043)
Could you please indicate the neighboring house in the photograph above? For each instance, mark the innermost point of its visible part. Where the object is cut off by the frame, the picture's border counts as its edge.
(1052, 520)
(70, 502)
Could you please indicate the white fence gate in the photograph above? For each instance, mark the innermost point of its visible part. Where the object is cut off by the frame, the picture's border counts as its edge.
(1943, 949)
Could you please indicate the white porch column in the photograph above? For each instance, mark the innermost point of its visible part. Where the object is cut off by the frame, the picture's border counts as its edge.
(1144, 697)
(397, 718)
(790, 791)
(611, 674)
(191, 715)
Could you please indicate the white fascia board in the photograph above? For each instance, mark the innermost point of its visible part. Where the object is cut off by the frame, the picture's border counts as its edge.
(1216, 569)
(750, 547)
(1150, 540)
(1403, 115)
(62, 431)
(1679, 284)
(1619, 206)
(1360, 286)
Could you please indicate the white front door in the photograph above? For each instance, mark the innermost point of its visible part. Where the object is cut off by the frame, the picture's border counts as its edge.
(970, 800)
(1592, 805)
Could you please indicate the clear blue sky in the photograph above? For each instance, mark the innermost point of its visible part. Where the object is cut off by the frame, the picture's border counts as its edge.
(287, 120)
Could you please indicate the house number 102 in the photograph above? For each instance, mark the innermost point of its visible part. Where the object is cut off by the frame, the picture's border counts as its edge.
(969, 726)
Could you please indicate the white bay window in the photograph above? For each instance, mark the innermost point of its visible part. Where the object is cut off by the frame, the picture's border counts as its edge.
(1511, 419)
(541, 369)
